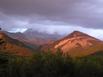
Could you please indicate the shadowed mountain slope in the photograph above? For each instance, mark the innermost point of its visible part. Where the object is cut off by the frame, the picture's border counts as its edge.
(13, 46)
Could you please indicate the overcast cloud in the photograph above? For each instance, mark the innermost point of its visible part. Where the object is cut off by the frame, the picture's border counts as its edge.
(49, 15)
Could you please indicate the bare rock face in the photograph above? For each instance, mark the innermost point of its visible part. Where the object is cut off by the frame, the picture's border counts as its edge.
(77, 44)
(75, 40)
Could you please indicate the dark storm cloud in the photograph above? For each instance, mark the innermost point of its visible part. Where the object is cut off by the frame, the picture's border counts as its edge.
(85, 13)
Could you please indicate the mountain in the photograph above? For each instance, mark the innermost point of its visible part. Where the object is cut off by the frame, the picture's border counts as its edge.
(40, 38)
(13, 46)
(34, 38)
(19, 36)
(77, 44)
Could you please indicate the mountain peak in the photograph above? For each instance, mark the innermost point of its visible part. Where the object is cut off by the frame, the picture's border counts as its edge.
(76, 40)
(77, 33)
(76, 44)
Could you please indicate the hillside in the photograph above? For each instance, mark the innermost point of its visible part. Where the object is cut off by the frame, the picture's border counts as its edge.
(13, 46)
(76, 44)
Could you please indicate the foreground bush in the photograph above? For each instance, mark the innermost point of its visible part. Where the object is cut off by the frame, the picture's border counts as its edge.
(50, 65)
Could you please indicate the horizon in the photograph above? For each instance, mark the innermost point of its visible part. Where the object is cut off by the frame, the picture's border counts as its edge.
(60, 16)
(55, 33)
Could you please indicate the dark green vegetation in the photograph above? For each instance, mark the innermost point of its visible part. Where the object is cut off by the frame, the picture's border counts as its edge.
(51, 65)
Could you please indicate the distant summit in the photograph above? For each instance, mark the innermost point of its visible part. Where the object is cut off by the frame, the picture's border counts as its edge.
(40, 38)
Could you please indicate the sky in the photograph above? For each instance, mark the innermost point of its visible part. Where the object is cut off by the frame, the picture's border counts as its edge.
(61, 16)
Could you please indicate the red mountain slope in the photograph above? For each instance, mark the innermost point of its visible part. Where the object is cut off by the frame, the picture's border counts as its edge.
(12, 46)
(77, 44)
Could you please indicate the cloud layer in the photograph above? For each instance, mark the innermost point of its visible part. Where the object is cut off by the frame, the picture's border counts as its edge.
(42, 14)
(88, 13)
